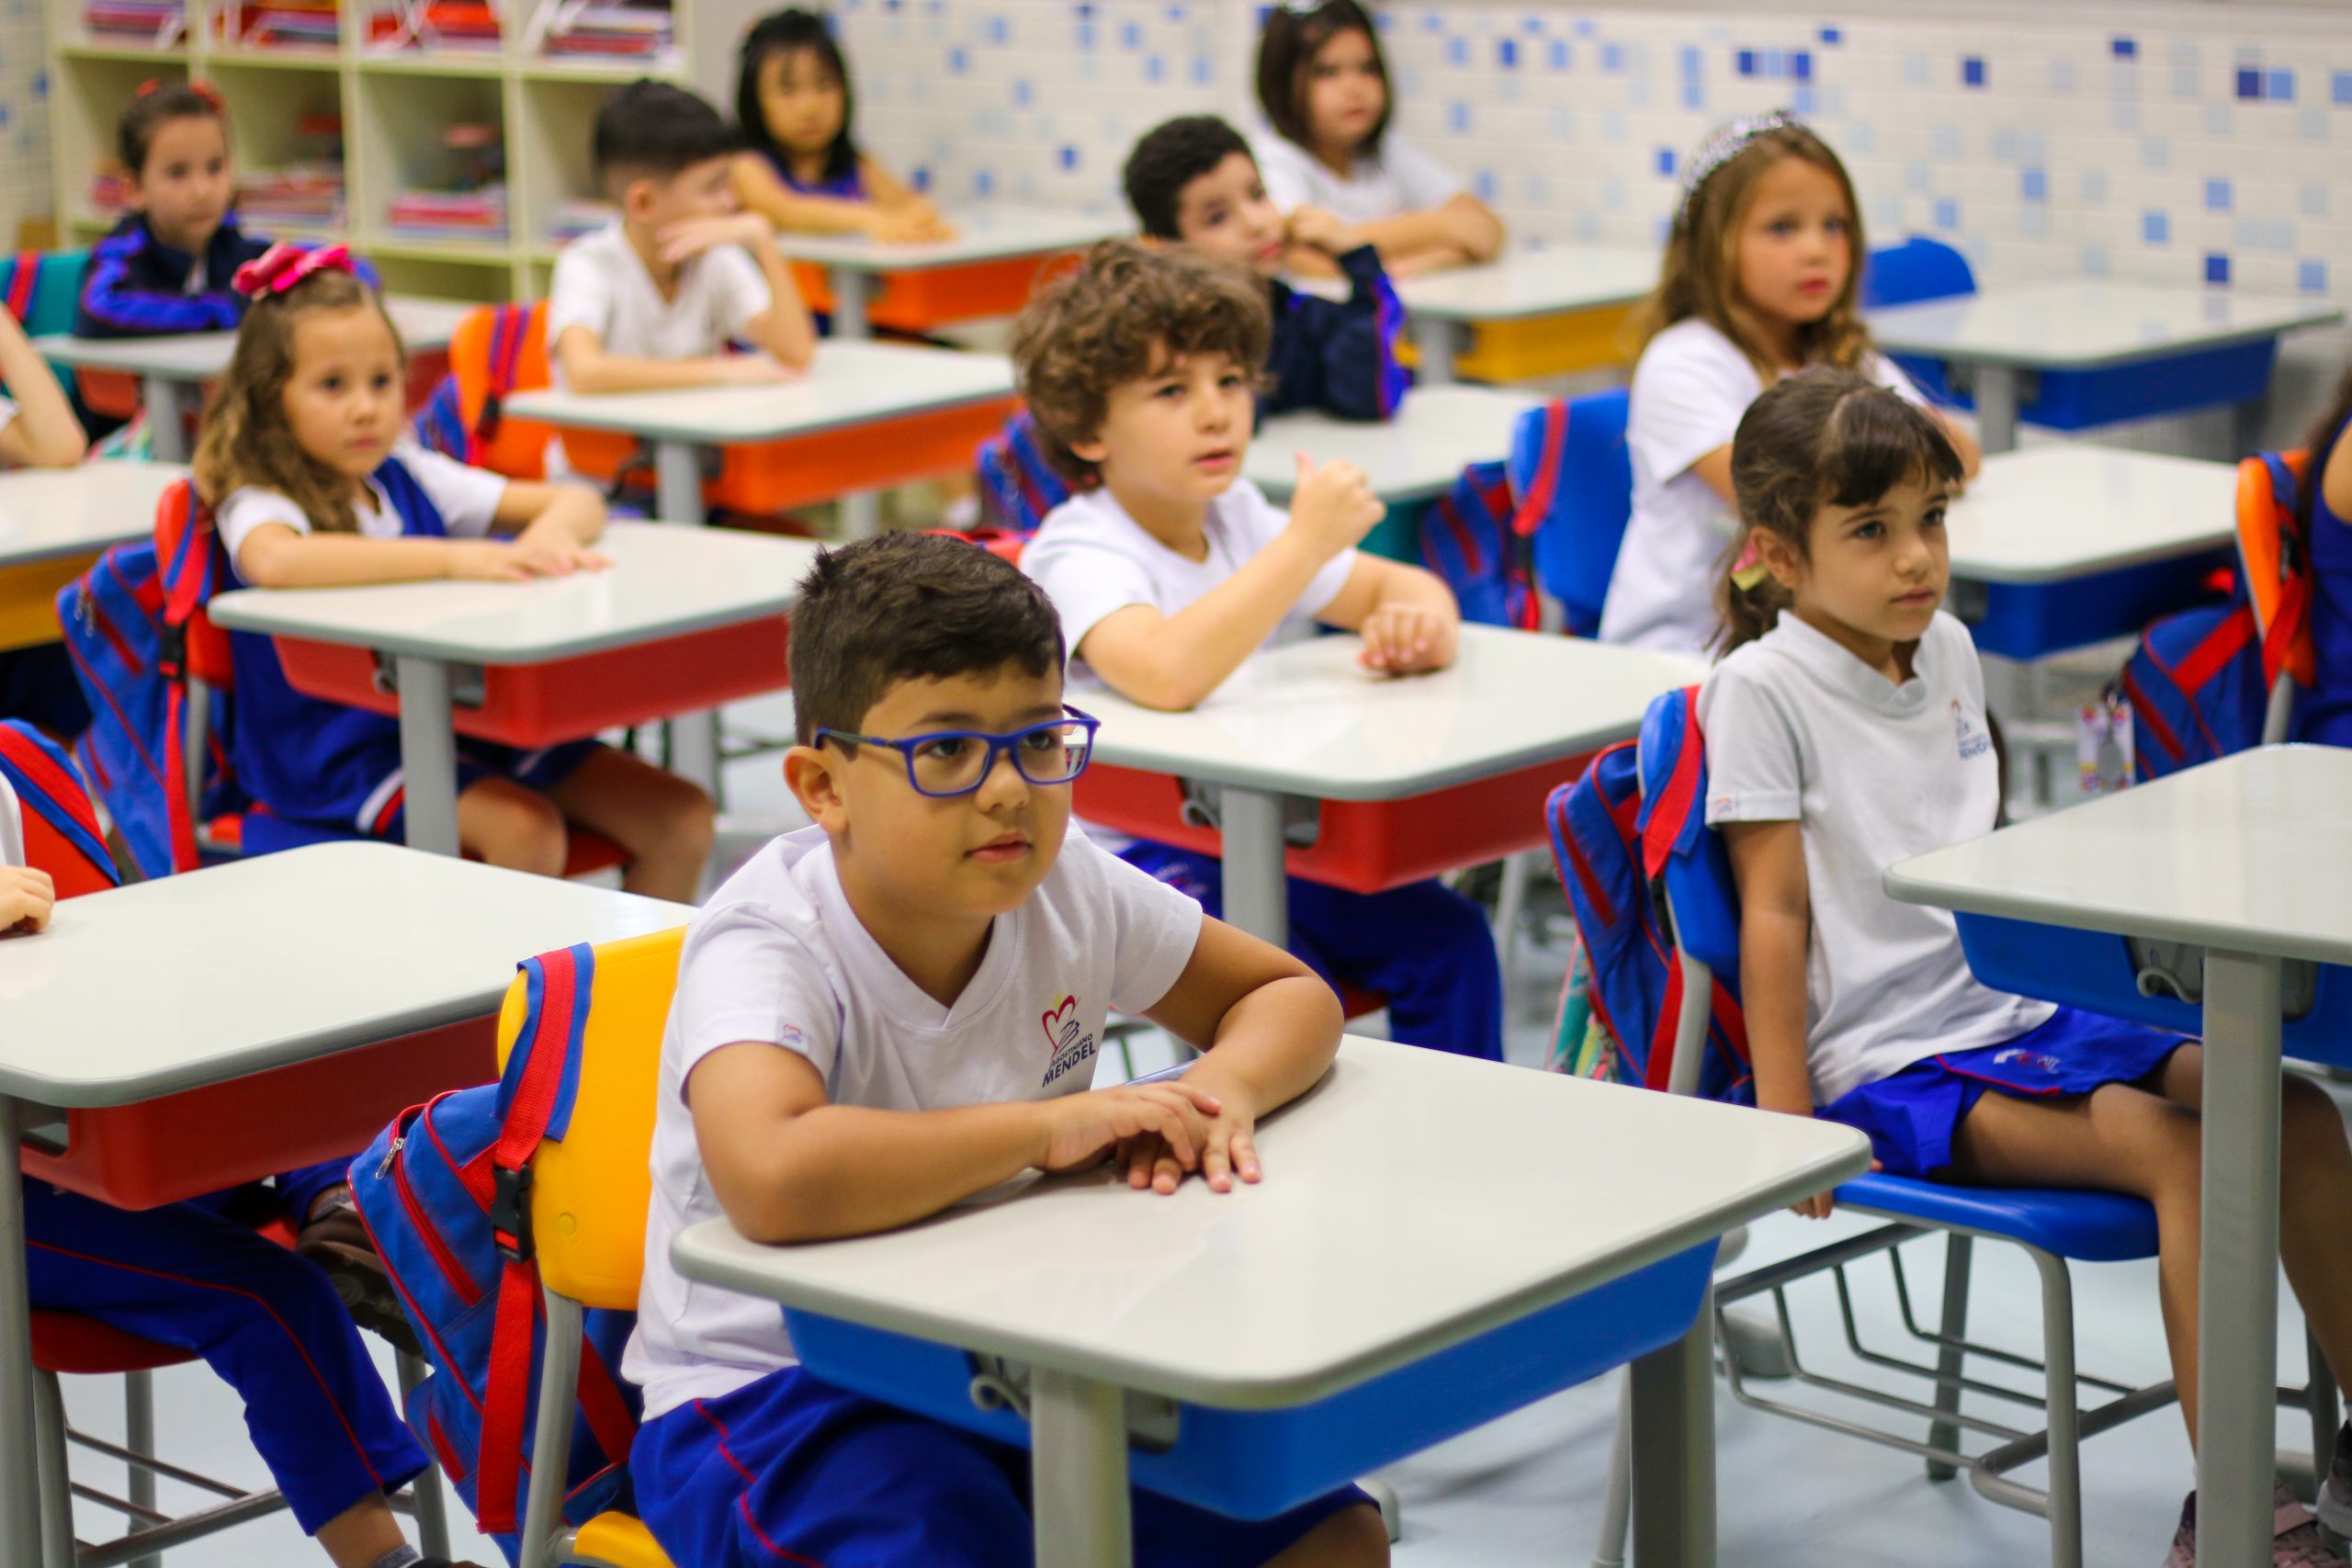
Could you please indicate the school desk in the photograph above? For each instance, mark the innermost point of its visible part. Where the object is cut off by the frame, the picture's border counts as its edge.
(1372, 781)
(1416, 456)
(177, 364)
(1561, 308)
(684, 620)
(867, 415)
(990, 268)
(54, 523)
(2061, 547)
(2234, 871)
(1405, 1271)
(2085, 352)
(157, 1034)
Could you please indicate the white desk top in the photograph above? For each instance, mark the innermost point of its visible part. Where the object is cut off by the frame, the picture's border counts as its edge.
(1305, 720)
(1530, 282)
(2082, 323)
(2248, 853)
(1412, 1200)
(982, 234)
(273, 960)
(850, 384)
(49, 512)
(424, 325)
(1438, 431)
(665, 580)
(2047, 513)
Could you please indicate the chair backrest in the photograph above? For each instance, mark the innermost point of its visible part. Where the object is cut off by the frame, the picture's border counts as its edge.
(500, 349)
(591, 1188)
(46, 816)
(43, 288)
(1573, 479)
(1918, 269)
(2275, 565)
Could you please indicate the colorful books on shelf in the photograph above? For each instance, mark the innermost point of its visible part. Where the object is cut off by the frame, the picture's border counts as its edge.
(609, 28)
(460, 25)
(109, 192)
(303, 196)
(577, 215)
(281, 24)
(450, 215)
(149, 21)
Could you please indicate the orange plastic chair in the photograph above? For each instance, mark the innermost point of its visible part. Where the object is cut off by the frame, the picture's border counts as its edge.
(590, 1191)
(2275, 565)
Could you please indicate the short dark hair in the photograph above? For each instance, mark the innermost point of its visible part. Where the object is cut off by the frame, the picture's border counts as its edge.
(903, 606)
(1171, 156)
(653, 129)
(1286, 51)
(787, 32)
(154, 106)
(1112, 320)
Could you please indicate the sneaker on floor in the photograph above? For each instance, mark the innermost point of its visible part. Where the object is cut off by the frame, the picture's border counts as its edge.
(337, 1241)
(2295, 1540)
(2335, 1492)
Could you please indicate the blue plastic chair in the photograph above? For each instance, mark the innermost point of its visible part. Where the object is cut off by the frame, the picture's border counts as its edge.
(1917, 270)
(1569, 464)
(2053, 1227)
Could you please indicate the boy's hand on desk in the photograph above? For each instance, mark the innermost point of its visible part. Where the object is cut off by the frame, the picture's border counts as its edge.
(1408, 640)
(1081, 1129)
(692, 236)
(27, 897)
(1333, 504)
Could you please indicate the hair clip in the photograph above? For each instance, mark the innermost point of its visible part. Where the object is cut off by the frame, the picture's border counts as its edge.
(1727, 141)
(1748, 571)
(283, 266)
(205, 90)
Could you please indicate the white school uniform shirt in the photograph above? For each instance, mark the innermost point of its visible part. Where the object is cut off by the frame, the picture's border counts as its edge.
(1799, 729)
(466, 498)
(1399, 179)
(602, 284)
(1091, 558)
(1690, 390)
(777, 957)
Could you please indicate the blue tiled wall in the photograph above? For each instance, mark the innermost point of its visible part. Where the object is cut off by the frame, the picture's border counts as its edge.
(2202, 149)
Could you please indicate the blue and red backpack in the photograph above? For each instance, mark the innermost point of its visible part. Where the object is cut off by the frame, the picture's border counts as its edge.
(1468, 539)
(2200, 682)
(1612, 844)
(444, 1192)
(1020, 487)
(54, 826)
(134, 626)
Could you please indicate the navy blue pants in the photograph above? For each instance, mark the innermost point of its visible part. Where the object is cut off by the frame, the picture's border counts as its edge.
(1423, 947)
(791, 1470)
(266, 1321)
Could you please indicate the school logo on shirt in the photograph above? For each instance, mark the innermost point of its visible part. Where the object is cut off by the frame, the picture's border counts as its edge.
(1974, 743)
(1067, 1042)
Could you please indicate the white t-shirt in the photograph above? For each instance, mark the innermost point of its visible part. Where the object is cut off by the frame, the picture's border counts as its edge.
(1091, 558)
(1799, 729)
(1690, 390)
(467, 497)
(778, 957)
(1400, 178)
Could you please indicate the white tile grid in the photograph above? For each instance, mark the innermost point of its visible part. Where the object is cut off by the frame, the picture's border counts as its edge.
(1566, 141)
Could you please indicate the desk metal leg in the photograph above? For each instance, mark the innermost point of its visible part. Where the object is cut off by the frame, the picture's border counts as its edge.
(166, 430)
(2238, 1280)
(677, 483)
(20, 1536)
(850, 287)
(1079, 1472)
(1437, 342)
(1673, 1412)
(428, 754)
(1257, 889)
(1997, 408)
(861, 515)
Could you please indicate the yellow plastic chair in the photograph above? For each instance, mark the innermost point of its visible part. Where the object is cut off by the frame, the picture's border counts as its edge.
(589, 1196)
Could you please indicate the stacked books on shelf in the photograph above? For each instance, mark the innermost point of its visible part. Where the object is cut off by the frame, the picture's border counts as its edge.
(578, 215)
(464, 24)
(450, 214)
(148, 21)
(609, 28)
(109, 193)
(297, 197)
(279, 24)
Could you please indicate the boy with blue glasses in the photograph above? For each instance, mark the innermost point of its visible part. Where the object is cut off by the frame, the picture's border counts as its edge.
(897, 1008)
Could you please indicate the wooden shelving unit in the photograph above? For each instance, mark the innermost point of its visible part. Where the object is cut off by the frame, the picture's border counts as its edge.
(395, 99)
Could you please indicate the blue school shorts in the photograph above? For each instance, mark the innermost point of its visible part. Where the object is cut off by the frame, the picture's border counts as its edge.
(1911, 1116)
(792, 1470)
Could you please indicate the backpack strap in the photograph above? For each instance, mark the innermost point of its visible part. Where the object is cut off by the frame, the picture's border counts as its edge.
(23, 280)
(536, 1096)
(1546, 484)
(507, 331)
(2293, 613)
(1669, 819)
(45, 784)
(186, 566)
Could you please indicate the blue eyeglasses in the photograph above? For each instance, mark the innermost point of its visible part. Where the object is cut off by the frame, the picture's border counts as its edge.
(949, 762)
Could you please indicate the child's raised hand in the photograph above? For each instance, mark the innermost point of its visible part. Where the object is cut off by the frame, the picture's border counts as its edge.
(692, 236)
(1333, 503)
(1408, 640)
(27, 897)
(1321, 229)
(1082, 1128)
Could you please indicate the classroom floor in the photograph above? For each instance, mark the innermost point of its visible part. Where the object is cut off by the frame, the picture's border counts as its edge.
(1526, 1490)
